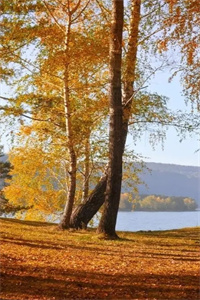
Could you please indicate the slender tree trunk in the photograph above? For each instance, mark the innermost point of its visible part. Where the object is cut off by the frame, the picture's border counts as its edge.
(86, 168)
(65, 221)
(130, 66)
(94, 202)
(113, 187)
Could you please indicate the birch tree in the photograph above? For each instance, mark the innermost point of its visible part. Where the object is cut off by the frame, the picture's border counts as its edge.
(87, 210)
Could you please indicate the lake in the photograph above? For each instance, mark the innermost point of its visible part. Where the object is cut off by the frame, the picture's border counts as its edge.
(140, 220)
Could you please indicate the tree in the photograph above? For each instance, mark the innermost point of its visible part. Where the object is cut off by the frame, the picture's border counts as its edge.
(126, 202)
(130, 105)
(64, 224)
(96, 199)
(190, 203)
(6, 207)
(64, 71)
(114, 173)
(37, 181)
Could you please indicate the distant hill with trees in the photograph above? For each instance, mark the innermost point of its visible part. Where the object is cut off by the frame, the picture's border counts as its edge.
(156, 203)
(172, 180)
(168, 180)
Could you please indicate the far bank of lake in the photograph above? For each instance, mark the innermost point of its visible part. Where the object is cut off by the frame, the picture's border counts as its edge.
(142, 220)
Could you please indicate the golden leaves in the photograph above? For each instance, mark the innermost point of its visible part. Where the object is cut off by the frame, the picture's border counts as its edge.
(171, 4)
(162, 45)
(26, 130)
(36, 181)
(40, 262)
(181, 35)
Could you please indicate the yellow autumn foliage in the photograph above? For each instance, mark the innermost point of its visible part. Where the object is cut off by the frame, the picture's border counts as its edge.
(36, 181)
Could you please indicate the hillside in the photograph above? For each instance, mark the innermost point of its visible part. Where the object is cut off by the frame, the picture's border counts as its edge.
(172, 180)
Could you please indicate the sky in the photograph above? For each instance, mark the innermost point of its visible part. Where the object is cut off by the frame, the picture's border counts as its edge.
(173, 151)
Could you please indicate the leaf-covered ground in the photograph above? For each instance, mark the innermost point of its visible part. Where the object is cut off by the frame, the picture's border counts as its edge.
(40, 262)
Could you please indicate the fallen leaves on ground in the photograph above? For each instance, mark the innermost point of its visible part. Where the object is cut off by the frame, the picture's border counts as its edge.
(40, 262)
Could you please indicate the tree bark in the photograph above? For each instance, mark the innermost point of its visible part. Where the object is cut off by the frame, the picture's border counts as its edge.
(86, 168)
(94, 202)
(83, 213)
(65, 221)
(113, 187)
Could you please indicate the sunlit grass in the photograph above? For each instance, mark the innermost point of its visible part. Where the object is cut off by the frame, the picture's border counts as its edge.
(40, 262)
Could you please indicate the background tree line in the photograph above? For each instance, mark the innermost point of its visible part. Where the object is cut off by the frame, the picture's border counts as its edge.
(129, 202)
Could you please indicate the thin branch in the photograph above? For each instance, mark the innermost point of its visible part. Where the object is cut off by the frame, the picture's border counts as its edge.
(134, 93)
(24, 114)
(102, 7)
(147, 37)
(152, 73)
(6, 99)
(21, 46)
(35, 119)
(148, 14)
(76, 7)
(174, 124)
(22, 60)
(41, 120)
(31, 64)
(52, 15)
(82, 10)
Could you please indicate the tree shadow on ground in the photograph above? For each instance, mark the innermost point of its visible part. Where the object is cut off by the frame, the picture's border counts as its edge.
(32, 283)
(29, 223)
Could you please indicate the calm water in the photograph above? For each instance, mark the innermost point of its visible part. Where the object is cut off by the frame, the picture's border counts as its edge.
(135, 221)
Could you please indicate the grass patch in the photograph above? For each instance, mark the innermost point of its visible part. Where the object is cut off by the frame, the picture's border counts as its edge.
(40, 262)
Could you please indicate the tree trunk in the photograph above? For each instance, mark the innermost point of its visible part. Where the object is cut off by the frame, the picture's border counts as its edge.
(83, 213)
(113, 187)
(86, 168)
(93, 204)
(130, 66)
(65, 221)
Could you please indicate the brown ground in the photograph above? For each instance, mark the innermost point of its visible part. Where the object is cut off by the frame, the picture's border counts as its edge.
(39, 262)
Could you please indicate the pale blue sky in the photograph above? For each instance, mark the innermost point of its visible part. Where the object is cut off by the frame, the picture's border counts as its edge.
(174, 152)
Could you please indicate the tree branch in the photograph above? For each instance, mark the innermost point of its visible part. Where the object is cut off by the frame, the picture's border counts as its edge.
(52, 15)
(82, 10)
